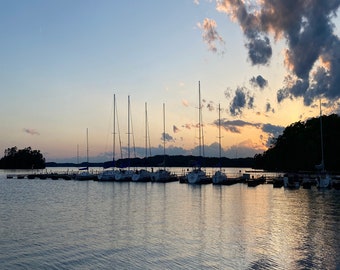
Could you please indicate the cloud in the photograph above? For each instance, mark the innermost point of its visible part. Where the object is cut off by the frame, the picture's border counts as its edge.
(258, 44)
(175, 129)
(274, 130)
(211, 106)
(167, 137)
(210, 34)
(241, 100)
(312, 56)
(259, 81)
(31, 131)
(269, 108)
(185, 103)
(188, 126)
(259, 50)
(235, 126)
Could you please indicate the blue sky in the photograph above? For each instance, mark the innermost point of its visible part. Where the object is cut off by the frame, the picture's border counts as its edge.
(62, 61)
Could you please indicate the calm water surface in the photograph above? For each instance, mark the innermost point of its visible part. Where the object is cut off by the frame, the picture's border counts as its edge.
(58, 224)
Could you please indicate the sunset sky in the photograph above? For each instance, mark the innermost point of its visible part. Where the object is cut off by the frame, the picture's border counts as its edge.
(61, 62)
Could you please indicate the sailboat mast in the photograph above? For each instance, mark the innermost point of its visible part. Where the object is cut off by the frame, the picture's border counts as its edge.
(164, 135)
(199, 119)
(129, 127)
(114, 128)
(219, 129)
(146, 131)
(321, 138)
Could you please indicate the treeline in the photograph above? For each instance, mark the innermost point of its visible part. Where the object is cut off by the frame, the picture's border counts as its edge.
(299, 147)
(168, 161)
(22, 159)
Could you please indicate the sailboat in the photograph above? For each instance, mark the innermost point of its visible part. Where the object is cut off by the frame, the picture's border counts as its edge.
(85, 174)
(219, 177)
(323, 180)
(126, 175)
(163, 175)
(197, 175)
(109, 175)
(143, 175)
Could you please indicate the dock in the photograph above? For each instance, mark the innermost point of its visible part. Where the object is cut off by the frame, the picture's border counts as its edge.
(42, 176)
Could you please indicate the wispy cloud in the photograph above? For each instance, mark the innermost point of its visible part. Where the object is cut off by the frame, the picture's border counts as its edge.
(210, 34)
(235, 126)
(185, 103)
(30, 131)
(188, 126)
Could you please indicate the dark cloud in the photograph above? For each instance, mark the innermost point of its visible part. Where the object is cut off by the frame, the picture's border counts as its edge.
(269, 108)
(167, 137)
(259, 50)
(30, 131)
(238, 102)
(274, 130)
(313, 49)
(234, 125)
(259, 81)
(282, 94)
(241, 100)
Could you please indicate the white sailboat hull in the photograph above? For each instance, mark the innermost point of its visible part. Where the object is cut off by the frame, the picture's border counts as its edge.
(197, 176)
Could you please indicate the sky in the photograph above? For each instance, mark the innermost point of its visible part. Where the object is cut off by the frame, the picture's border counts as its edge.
(266, 63)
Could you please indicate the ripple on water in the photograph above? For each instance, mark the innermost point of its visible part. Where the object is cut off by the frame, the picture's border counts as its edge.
(93, 225)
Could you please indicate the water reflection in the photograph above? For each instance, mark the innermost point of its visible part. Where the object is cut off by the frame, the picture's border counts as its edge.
(73, 224)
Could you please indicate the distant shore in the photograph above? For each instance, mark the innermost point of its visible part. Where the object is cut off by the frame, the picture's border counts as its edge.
(168, 161)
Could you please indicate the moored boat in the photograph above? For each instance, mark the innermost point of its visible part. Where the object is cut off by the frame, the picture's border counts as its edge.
(291, 181)
(198, 176)
(141, 176)
(163, 176)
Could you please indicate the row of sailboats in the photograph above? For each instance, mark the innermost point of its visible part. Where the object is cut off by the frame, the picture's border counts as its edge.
(196, 176)
(142, 175)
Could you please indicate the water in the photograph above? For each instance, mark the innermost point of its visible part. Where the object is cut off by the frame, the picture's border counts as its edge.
(58, 224)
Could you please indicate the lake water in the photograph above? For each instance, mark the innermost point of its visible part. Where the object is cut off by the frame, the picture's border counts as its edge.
(59, 224)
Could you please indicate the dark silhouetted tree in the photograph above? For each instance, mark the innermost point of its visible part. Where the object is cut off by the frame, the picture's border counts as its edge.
(22, 159)
(299, 147)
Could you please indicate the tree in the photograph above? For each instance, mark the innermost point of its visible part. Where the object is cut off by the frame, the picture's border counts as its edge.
(299, 147)
(22, 159)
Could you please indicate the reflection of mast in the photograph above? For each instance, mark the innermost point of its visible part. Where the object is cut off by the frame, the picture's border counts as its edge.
(114, 128)
(87, 148)
(321, 138)
(78, 154)
(129, 128)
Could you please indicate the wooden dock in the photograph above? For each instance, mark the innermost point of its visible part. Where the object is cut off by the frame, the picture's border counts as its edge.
(42, 176)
